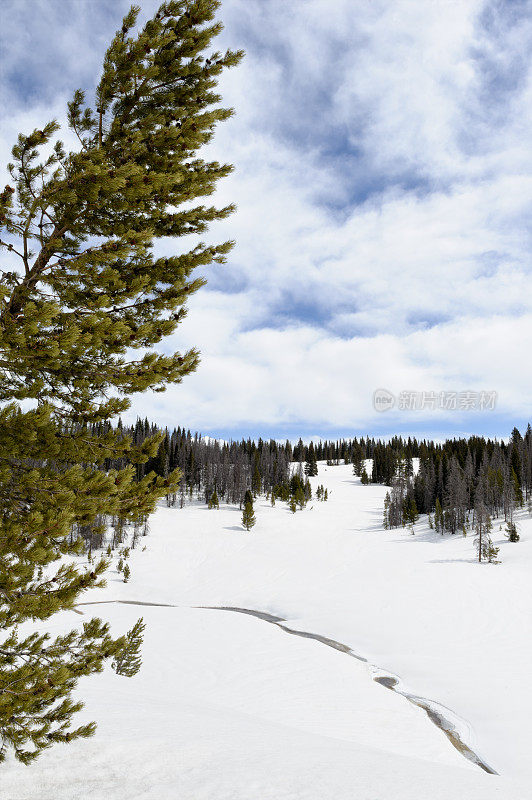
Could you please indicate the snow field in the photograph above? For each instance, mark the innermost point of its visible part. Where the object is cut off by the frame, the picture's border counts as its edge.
(229, 707)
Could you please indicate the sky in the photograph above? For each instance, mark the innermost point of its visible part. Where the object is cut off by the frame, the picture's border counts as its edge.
(383, 179)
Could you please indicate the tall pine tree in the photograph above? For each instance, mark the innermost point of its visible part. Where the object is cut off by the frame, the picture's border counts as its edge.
(311, 465)
(80, 290)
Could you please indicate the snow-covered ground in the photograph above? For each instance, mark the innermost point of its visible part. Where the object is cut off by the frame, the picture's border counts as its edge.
(230, 707)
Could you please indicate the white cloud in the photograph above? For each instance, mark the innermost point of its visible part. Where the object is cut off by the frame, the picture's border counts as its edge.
(383, 186)
(305, 376)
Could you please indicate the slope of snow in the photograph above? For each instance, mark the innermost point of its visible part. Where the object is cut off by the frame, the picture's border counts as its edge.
(229, 707)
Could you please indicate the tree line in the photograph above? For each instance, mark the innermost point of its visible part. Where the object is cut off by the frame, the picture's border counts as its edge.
(461, 484)
(452, 476)
(211, 471)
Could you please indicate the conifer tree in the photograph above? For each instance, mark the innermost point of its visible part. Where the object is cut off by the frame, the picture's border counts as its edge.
(511, 532)
(492, 552)
(248, 516)
(518, 494)
(438, 517)
(311, 465)
(358, 459)
(300, 497)
(483, 544)
(256, 480)
(80, 290)
(213, 501)
(128, 660)
(386, 517)
(410, 512)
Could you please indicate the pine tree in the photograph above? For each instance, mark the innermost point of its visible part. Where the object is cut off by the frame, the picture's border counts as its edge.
(386, 518)
(128, 660)
(511, 532)
(256, 482)
(214, 502)
(248, 516)
(438, 517)
(518, 494)
(410, 512)
(89, 292)
(492, 552)
(483, 545)
(311, 465)
(455, 497)
(358, 459)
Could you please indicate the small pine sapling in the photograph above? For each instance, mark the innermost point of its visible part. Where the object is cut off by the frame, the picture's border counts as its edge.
(492, 552)
(300, 497)
(127, 573)
(511, 532)
(214, 502)
(248, 516)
